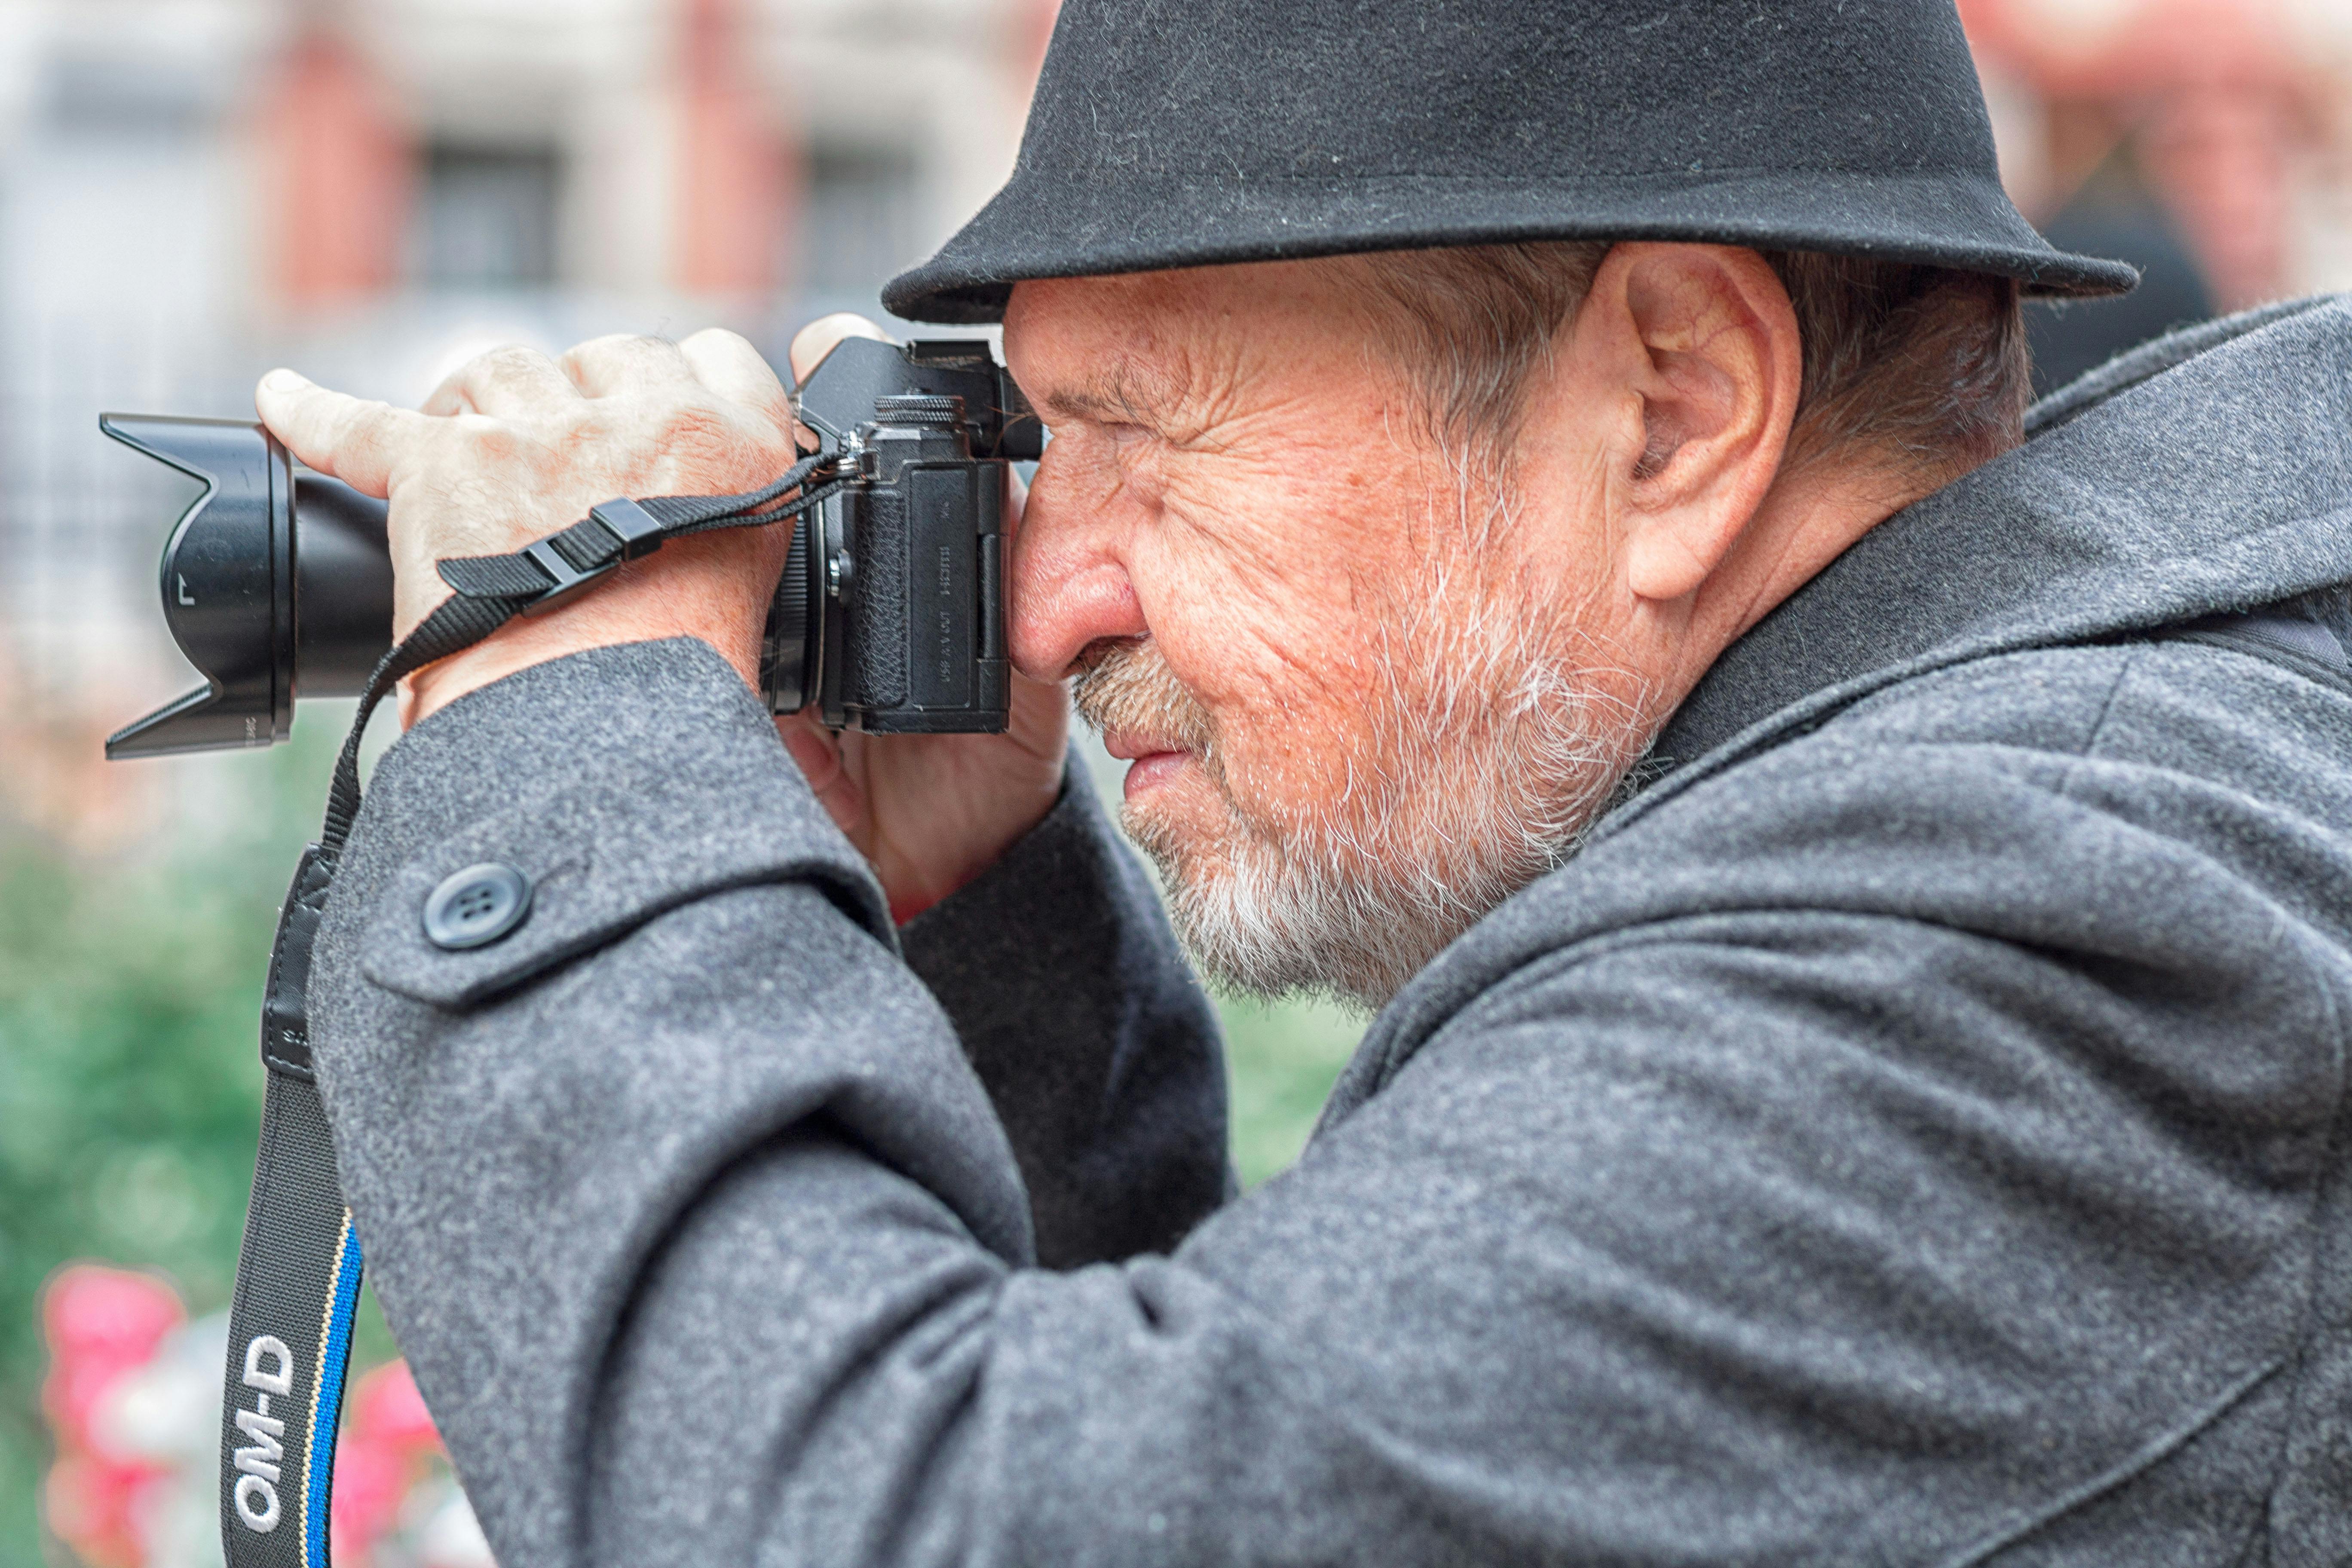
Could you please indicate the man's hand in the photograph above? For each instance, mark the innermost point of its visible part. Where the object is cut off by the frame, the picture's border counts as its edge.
(931, 811)
(516, 445)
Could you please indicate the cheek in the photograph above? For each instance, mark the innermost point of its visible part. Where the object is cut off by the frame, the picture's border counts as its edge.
(1258, 587)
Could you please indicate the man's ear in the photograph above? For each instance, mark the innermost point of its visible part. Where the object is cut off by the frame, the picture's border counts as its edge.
(1702, 340)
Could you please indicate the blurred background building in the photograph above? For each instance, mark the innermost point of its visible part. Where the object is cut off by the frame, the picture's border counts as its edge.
(191, 191)
(2205, 139)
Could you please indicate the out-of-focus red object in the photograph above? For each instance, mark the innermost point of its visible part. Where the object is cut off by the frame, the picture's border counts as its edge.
(101, 1324)
(386, 1407)
(132, 1397)
(369, 1480)
(737, 187)
(338, 165)
(388, 1443)
(91, 1507)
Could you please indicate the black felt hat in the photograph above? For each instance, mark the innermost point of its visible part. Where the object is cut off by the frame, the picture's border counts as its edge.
(1185, 132)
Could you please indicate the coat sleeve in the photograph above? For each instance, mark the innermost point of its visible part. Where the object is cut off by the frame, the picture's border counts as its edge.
(1750, 1232)
(1097, 1048)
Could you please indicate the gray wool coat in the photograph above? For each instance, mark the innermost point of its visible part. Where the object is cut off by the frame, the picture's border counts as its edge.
(1912, 1131)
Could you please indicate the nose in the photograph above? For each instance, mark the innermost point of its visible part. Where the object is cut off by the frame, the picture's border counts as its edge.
(1070, 582)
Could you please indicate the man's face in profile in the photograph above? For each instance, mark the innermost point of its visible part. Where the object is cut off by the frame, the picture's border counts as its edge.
(1353, 662)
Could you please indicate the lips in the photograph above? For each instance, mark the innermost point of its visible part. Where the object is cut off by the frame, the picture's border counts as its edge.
(1150, 761)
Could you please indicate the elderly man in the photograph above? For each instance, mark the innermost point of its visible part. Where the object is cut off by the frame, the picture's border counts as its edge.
(1856, 896)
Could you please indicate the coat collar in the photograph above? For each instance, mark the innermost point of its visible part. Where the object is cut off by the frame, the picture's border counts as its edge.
(2207, 472)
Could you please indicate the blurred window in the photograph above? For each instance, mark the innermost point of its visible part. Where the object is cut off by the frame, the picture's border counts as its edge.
(126, 95)
(489, 217)
(859, 225)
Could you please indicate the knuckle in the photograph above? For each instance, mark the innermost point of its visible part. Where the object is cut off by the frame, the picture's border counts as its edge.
(697, 428)
(506, 361)
(715, 337)
(710, 447)
(595, 351)
(493, 441)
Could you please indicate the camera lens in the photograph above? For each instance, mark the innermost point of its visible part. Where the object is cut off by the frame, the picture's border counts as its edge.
(796, 630)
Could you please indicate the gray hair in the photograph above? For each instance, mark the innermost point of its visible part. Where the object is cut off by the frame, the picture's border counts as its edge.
(1924, 368)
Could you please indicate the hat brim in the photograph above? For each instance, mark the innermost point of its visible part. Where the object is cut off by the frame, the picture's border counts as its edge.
(1102, 226)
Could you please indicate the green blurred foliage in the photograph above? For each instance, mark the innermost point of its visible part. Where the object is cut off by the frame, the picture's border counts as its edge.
(1283, 1057)
(130, 1088)
(129, 1083)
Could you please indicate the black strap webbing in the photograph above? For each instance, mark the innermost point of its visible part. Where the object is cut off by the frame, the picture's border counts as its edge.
(298, 1270)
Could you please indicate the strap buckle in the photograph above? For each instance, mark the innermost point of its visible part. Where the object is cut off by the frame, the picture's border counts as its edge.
(568, 579)
(632, 532)
(637, 530)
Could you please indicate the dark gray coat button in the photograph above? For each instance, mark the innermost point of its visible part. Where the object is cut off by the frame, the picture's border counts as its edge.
(476, 906)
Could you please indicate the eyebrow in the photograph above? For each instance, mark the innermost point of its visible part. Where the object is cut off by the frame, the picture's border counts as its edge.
(1113, 397)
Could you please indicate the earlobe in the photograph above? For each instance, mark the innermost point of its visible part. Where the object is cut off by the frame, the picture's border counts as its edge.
(1661, 564)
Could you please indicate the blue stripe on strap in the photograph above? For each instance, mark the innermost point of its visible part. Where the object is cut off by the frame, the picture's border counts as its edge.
(334, 1359)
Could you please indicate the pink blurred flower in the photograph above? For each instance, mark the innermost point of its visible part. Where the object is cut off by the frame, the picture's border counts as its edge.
(134, 1404)
(371, 1478)
(387, 1445)
(101, 1324)
(386, 1407)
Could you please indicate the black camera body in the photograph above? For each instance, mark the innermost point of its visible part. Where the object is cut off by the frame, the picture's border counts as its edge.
(277, 582)
(890, 615)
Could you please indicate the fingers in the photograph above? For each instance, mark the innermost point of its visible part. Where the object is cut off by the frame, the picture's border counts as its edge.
(506, 382)
(603, 367)
(816, 339)
(1040, 720)
(729, 366)
(817, 752)
(348, 439)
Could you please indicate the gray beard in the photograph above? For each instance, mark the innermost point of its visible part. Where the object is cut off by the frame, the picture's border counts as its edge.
(1479, 777)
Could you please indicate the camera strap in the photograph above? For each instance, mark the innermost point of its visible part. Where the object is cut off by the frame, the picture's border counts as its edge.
(298, 1268)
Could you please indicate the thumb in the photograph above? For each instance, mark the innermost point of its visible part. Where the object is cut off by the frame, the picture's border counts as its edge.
(816, 339)
(348, 439)
(818, 755)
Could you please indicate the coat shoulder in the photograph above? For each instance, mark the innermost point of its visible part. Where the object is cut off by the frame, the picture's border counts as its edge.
(2169, 805)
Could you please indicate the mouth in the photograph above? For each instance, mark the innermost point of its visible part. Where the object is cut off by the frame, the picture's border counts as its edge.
(1151, 761)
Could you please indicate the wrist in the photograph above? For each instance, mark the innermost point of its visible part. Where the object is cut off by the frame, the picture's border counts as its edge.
(517, 648)
(691, 591)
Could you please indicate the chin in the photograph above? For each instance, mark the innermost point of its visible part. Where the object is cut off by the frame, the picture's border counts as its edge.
(1181, 824)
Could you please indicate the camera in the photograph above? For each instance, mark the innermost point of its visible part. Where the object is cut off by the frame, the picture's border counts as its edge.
(890, 613)
(889, 616)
